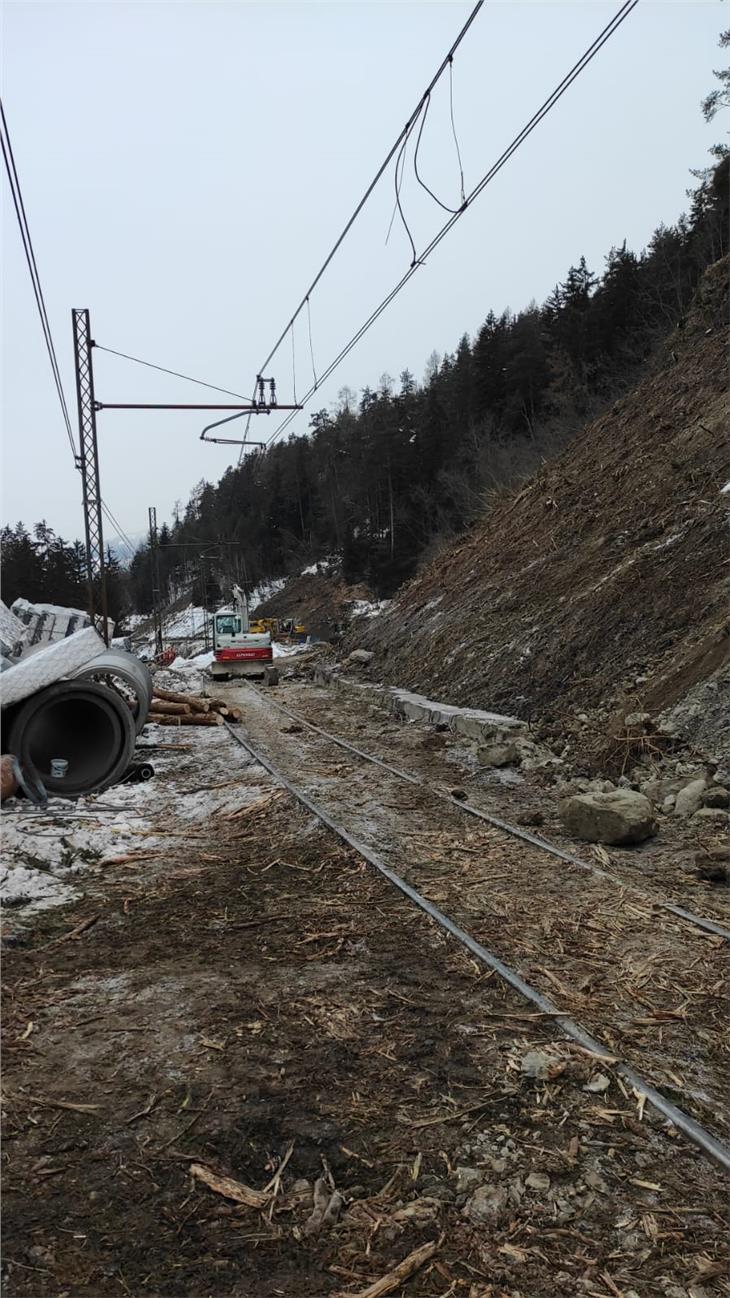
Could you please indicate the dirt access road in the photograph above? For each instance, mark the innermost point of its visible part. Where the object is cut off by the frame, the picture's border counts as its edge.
(260, 1005)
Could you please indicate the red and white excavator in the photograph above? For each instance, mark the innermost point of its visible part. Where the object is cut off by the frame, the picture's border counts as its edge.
(237, 651)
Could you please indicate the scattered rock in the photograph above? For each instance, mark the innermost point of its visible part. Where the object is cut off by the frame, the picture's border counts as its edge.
(468, 1178)
(541, 1065)
(459, 794)
(716, 796)
(531, 818)
(711, 816)
(598, 1084)
(619, 817)
(487, 1205)
(712, 870)
(689, 799)
(669, 804)
(538, 1181)
(361, 656)
(506, 754)
(638, 721)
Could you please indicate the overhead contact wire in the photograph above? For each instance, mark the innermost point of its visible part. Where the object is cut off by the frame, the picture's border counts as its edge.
(586, 58)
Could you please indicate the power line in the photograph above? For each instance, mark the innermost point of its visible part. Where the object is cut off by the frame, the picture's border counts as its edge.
(175, 373)
(588, 55)
(22, 219)
(19, 205)
(121, 534)
(403, 136)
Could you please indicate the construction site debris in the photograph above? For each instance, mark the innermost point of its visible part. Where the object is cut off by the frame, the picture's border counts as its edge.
(49, 664)
(12, 637)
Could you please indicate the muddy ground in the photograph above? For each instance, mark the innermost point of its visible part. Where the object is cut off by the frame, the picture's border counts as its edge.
(259, 1000)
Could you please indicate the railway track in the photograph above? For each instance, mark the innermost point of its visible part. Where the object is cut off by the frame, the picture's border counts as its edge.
(543, 845)
(604, 1044)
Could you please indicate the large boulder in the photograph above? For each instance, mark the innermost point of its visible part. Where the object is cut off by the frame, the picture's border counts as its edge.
(618, 817)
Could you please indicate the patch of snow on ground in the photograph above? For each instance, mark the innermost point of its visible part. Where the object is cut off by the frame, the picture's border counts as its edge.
(287, 650)
(725, 490)
(197, 663)
(49, 853)
(369, 608)
(265, 591)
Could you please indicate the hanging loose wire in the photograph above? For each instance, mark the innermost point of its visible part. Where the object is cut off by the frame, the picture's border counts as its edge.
(293, 365)
(311, 348)
(453, 126)
(422, 182)
(398, 180)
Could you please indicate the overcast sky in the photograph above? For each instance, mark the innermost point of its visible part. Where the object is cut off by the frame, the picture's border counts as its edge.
(187, 166)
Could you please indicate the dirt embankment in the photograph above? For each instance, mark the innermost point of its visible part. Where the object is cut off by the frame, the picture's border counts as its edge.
(606, 577)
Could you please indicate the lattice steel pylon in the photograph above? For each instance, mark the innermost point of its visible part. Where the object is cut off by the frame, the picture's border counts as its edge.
(88, 462)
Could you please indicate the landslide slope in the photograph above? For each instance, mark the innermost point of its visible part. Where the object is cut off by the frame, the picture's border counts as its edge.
(611, 563)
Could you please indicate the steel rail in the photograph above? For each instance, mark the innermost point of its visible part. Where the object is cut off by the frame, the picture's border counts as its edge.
(692, 1129)
(688, 916)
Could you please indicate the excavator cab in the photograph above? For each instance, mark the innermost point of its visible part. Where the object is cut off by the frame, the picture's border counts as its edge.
(238, 649)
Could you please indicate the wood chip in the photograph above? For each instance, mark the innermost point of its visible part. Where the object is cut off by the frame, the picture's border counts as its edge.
(393, 1279)
(228, 1188)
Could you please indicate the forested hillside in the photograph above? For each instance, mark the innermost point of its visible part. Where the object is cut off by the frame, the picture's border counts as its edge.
(43, 567)
(388, 477)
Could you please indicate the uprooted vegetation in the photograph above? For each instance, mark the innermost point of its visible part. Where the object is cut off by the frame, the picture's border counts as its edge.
(604, 580)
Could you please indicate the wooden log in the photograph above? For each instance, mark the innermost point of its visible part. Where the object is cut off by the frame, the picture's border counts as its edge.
(201, 719)
(175, 696)
(218, 705)
(8, 782)
(160, 719)
(171, 709)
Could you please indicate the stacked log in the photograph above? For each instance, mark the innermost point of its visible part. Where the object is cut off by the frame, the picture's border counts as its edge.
(173, 708)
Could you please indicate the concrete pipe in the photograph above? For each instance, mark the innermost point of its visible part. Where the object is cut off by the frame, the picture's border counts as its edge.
(78, 737)
(123, 672)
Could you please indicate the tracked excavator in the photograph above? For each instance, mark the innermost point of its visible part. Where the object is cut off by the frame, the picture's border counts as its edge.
(237, 649)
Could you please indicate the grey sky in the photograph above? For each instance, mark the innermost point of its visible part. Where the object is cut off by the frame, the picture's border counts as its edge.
(186, 167)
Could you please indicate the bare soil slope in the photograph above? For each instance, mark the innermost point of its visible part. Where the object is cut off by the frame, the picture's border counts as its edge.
(611, 564)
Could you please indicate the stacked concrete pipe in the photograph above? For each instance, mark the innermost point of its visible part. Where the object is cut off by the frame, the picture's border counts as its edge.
(76, 736)
(125, 673)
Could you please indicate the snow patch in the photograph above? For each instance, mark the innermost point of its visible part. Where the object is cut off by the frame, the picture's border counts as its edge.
(369, 608)
(49, 853)
(265, 591)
